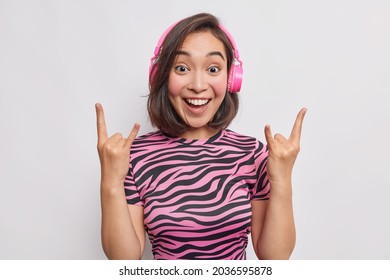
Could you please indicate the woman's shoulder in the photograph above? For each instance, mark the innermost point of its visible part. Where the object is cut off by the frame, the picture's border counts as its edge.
(150, 138)
(149, 135)
(241, 140)
(231, 134)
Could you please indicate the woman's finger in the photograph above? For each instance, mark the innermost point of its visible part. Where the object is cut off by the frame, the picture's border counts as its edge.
(132, 135)
(295, 135)
(101, 124)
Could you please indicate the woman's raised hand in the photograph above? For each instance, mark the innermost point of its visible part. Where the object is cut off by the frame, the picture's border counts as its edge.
(282, 152)
(113, 151)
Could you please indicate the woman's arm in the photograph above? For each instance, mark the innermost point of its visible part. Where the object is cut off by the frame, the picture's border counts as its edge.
(273, 227)
(123, 235)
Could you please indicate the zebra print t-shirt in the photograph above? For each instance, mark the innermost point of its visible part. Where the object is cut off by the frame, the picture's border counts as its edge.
(197, 194)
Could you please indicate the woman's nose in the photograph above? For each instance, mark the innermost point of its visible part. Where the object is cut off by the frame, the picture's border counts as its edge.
(198, 82)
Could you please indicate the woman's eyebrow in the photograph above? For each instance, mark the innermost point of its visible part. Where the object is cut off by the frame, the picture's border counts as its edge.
(216, 53)
(181, 52)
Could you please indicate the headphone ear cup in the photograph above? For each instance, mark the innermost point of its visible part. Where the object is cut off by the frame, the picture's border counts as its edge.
(235, 78)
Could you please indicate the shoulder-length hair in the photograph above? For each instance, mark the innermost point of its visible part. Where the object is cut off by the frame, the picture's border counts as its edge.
(161, 113)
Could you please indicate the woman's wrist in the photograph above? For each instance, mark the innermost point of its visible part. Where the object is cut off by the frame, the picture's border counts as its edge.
(112, 187)
(281, 188)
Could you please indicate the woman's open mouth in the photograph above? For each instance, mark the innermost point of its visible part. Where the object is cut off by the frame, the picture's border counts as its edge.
(196, 102)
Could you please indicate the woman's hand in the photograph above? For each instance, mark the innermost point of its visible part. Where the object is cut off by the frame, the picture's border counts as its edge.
(283, 152)
(113, 151)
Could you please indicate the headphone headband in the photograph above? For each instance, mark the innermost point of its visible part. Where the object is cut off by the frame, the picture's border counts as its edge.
(235, 73)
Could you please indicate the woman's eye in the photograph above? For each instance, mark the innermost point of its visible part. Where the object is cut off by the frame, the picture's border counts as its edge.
(181, 68)
(213, 69)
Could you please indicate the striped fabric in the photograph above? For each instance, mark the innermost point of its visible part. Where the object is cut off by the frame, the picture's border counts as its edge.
(196, 194)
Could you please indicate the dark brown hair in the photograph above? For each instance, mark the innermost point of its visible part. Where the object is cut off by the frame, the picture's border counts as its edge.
(161, 113)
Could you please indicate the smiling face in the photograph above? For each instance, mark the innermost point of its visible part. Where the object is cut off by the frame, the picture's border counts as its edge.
(197, 82)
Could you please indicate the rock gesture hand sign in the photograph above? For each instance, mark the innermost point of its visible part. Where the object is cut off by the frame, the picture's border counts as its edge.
(113, 151)
(282, 152)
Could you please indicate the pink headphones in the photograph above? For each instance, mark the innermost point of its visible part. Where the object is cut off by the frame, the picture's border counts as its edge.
(235, 73)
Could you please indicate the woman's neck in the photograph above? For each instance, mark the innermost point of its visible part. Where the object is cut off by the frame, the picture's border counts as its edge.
(199, 133)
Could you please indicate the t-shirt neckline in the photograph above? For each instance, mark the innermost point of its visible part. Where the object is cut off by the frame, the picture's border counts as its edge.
(188, 141)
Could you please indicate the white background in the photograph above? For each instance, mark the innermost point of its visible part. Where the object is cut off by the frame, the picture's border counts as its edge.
(58, 58)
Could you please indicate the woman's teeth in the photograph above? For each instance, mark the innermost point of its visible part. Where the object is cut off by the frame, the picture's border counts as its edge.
(197, 102)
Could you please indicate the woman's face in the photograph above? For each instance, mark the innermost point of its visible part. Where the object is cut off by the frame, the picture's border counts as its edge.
(197, 82)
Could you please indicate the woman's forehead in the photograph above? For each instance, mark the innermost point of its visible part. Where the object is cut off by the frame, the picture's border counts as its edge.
(203, 41)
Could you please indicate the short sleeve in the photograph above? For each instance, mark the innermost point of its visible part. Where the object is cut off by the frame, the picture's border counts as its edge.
(131, 191)
(261, 189)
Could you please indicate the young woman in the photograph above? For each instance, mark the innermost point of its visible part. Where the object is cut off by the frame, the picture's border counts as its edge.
(194, 186)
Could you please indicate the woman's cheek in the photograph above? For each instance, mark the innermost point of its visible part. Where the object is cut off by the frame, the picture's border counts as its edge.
(220, 86)
(174, 86)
